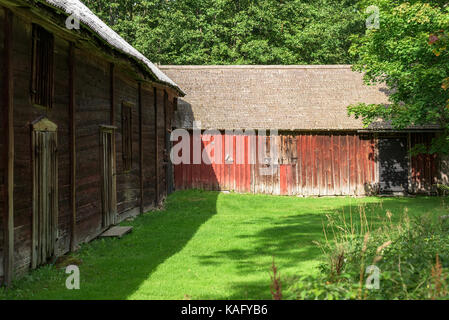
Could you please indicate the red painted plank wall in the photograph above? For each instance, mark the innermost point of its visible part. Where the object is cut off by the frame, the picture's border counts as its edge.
(308, 164)
(226, 174)
(320, 164)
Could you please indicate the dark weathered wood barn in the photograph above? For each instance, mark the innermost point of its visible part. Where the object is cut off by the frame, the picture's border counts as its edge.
(85, 121)
(320, 149)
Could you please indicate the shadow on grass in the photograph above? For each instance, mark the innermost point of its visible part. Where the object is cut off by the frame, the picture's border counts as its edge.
(289, 239)
(156, 237)
(117, 268)
(292, 240)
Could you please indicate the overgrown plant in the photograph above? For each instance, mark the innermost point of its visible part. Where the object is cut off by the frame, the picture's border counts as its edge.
(438, 288)
(443, 189)
(276, 285)
(402, 248)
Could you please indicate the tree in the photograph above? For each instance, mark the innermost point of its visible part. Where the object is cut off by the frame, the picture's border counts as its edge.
(440, 42)
(236, 31)
(399, 55)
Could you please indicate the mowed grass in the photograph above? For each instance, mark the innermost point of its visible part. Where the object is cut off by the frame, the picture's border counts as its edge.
(209, 245)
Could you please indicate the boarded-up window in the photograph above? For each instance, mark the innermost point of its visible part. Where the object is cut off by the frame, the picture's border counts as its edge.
(43, 64)
(45, 191)
(127, 135)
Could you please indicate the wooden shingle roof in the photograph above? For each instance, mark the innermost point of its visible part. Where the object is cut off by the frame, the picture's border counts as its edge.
(313, 97)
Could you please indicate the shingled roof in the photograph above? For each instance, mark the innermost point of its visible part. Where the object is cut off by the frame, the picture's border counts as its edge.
(89, 19)
(294, 97)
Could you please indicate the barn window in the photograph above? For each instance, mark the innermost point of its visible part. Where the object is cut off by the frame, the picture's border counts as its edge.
(45, 191)
(127, 135)
(42, 68)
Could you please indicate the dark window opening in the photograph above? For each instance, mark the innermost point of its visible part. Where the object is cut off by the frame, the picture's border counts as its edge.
(42, 69)
(127, 135)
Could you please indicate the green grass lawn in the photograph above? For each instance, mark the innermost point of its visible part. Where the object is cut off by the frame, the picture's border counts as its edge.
(208, 245)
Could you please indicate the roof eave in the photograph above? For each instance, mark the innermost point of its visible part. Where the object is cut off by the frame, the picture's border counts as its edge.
(54, 6)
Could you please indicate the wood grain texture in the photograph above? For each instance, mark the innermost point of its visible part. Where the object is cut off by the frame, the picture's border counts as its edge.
(309, 164)
(8, 113)
(72, 111)
(304, 164)
(89, 88)
(424, 166)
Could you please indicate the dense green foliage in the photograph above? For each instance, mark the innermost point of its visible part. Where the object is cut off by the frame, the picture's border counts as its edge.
(399, 54)
(236, 31)
(412, 257)
(208, 245)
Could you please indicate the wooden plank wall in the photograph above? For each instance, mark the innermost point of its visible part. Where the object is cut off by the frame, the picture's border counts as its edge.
(7, 156)
(92, 92)
(308, 164)
(160, 100)
(24, 114)
(218, 175)
(424, 167)
(149, 147)
(93, 104)
(321, 164)
(2, 147)
(128, 182)
(170, 106)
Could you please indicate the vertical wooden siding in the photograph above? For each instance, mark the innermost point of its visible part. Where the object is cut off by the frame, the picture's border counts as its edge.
(161, 129)
(3, 150)
(83, 101)
(219, 174)
(424, 167)
(308, 164)
(149, 147)
(7, 121)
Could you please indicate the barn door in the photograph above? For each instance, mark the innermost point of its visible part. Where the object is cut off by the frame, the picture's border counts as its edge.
(45, 191)
(108, 176)
(393, 165)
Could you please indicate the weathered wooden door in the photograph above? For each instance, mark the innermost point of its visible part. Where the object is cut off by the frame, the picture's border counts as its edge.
(393, 165)
(45, 191)
(108, 176)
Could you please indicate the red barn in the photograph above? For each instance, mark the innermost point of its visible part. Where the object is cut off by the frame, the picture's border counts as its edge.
(320, 150)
